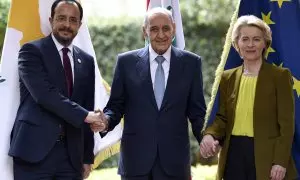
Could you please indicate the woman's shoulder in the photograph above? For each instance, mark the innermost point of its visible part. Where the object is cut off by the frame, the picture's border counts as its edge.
(230, 72)
(276, 70)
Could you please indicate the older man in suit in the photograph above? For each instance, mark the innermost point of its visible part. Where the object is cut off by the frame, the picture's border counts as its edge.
(156, 89)
(50, 139)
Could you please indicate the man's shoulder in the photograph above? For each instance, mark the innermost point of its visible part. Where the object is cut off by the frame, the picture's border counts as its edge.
(37, 43)
(134, 53)
(190, 54)
(185, 54)
(81, 52)
(228, 73)
(131, 57)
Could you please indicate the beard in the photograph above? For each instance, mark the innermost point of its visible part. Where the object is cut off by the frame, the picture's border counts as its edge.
(65, 41)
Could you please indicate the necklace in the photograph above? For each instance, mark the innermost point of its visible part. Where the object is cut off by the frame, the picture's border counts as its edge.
(247, 73)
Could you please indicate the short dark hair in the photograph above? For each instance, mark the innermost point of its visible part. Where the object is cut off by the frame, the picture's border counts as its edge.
(56, 2)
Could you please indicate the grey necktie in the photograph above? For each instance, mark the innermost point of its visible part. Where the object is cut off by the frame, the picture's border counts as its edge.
(159, 82)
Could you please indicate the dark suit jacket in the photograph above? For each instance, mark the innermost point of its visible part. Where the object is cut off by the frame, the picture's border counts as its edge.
(147, 130)
(44, 104)
(273, 119)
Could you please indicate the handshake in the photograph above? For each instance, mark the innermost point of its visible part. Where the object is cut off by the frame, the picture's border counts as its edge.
(209, 146)
(97, 120)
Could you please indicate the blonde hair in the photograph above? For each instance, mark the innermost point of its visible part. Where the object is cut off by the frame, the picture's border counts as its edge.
(250, 20)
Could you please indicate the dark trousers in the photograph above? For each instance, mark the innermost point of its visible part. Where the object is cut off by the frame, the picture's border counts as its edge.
(157, 173)
(240, 163)
(56, 166)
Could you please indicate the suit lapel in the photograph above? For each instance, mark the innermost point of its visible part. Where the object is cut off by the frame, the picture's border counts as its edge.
(261, 86)
(237, 81)
(56, 63)
(234, 94)
(143, 70)
(176, 68)
(77, 68)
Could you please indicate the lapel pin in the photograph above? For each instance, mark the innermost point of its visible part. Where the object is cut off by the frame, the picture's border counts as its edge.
(79, 61)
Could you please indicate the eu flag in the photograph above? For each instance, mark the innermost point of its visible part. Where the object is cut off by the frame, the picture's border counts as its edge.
(283, 17)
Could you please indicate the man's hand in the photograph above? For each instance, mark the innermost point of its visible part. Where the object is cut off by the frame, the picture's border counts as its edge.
(86, 170)
(277, 172)
(209, 146)
(93, 117)
(102, 125)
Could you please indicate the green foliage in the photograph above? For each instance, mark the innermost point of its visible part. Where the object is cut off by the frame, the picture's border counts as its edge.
(208, 11)
(205, 25)
(110, 162)
(110, 40)
(4, 6)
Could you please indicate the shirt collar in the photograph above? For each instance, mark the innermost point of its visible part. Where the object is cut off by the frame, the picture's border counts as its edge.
(153, 54)
(59, 46)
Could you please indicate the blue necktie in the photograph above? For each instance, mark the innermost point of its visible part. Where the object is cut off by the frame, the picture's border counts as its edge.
(159, 82)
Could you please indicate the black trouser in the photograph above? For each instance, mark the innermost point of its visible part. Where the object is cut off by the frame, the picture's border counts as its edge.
(56, 166)
(240, 163)
(157, 173)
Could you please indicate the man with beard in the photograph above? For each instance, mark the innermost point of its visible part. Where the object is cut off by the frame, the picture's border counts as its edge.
(50, 139)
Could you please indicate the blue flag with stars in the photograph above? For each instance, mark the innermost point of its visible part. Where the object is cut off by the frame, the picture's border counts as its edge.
(283, 17)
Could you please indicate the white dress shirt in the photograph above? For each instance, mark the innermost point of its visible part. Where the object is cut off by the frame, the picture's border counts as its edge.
(70, 53)
(154, 64)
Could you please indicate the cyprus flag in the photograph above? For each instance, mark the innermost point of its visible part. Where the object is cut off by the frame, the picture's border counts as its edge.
(27, 21)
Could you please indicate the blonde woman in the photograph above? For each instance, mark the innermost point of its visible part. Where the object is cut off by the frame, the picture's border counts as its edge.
(255, 120)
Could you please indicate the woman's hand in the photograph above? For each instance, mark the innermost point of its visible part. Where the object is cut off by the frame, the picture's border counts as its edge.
(277, 172)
